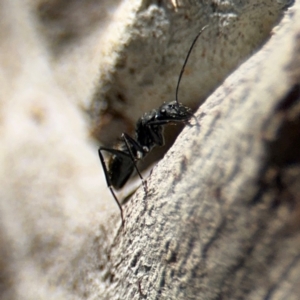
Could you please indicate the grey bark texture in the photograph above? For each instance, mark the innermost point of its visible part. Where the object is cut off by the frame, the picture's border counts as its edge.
(219, 218)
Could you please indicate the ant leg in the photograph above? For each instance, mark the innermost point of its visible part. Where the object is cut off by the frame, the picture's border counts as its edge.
(109, 184)
(128, 139)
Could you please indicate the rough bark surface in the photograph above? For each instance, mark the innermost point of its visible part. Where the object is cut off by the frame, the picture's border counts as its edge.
(220, 216)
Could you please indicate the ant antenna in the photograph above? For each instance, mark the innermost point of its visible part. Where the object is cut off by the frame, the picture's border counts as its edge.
(186, 60)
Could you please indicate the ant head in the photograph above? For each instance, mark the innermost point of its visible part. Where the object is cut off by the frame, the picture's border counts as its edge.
(173, 112)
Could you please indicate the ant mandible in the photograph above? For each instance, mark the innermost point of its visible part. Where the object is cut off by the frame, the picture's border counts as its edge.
(148, 134)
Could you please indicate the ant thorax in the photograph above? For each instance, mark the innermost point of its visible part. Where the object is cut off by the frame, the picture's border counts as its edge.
(148, 133)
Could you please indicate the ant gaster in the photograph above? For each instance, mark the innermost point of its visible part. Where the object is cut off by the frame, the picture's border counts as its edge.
(148, 134)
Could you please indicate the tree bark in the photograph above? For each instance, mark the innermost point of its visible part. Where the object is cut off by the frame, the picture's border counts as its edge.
(220, 217)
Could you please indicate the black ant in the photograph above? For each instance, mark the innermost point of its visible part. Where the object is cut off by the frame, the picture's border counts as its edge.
(148, 134)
